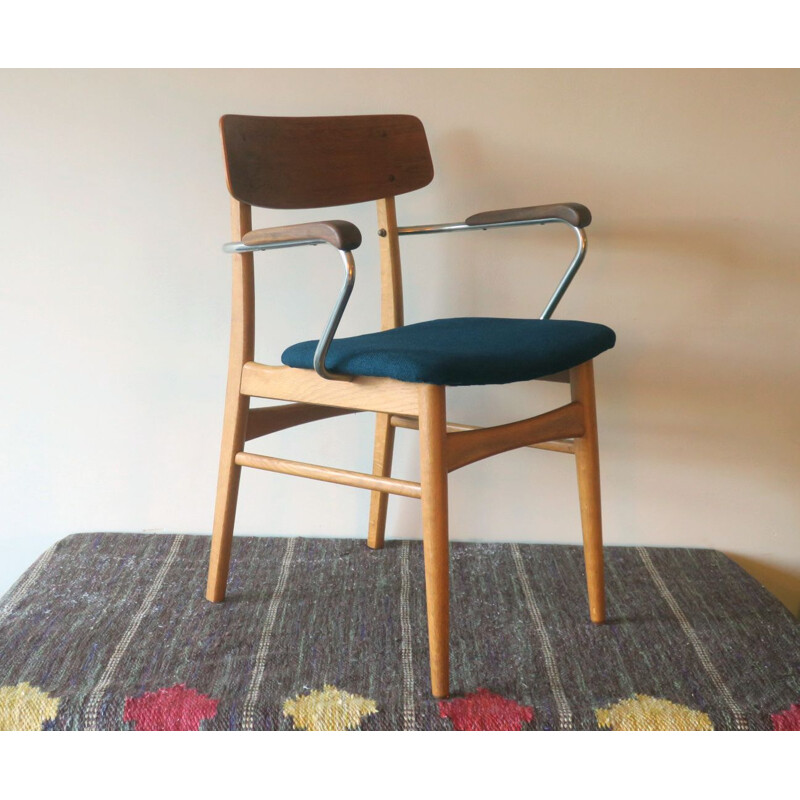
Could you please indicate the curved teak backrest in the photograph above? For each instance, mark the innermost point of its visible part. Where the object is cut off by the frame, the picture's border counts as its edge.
(314, 162)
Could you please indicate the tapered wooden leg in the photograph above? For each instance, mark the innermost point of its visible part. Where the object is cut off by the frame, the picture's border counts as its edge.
(433, 478)
(588, 464)
(233, 436)
(234, 427)
(381, 466)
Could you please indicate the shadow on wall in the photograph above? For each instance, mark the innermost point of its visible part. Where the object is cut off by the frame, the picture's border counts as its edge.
(783, 583)
(710, 350)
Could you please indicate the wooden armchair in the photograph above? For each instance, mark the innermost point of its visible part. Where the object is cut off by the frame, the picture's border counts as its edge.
(400, 373)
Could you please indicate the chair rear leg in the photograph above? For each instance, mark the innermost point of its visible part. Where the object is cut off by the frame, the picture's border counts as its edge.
(233, 438)
(381, 466)
(588, 464)
(433, 478)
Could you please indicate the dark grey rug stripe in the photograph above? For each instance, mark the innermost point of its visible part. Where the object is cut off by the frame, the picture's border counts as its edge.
(263, 646)
(115, 662)
(105, 617)
(702, 654)
(21, 587)
(540, 629)
(754, 631)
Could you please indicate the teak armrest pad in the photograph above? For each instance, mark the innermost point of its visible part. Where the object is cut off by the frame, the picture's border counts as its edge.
(573, 213)
(342, 235)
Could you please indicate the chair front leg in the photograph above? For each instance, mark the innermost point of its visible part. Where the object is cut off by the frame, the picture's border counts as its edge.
(588, 464)
(382, 467)
(433, 479)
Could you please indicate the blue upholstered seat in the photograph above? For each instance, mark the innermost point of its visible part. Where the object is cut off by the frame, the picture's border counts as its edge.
(464, 351)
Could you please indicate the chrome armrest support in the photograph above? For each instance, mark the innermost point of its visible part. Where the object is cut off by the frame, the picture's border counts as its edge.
(333, 322)
(338, 309)
(447, 227)
(241, 247)
(565, 281)
(572, 270)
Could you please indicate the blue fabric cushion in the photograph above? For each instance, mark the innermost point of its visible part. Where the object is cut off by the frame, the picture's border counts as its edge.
(464, 351)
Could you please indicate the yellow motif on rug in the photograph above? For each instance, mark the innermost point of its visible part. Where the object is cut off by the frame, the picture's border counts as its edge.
(328, 710)
(644, 713)
(25, 708)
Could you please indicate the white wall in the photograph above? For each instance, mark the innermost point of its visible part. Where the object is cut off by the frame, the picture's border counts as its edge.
(115, 301)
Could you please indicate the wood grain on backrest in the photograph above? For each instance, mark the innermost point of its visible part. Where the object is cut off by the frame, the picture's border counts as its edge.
(313, 162)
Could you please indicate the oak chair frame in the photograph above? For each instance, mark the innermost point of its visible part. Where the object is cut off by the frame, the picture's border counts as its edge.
(316, 394)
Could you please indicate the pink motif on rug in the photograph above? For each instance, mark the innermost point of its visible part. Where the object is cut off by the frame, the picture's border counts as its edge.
(485, 711)
(173, 709)
(788, 720)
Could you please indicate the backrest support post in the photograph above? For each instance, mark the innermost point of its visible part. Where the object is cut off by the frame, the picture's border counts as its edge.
(243, 303)
(391, 274)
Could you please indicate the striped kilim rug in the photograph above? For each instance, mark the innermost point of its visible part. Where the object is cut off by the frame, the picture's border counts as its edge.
(112, 632)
